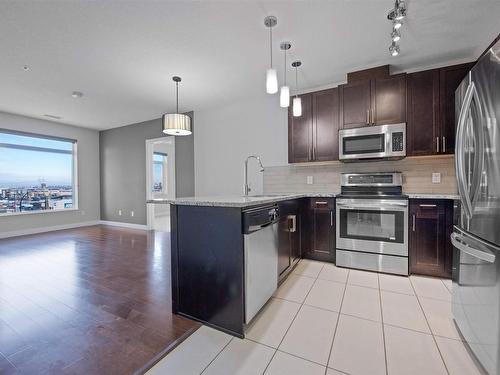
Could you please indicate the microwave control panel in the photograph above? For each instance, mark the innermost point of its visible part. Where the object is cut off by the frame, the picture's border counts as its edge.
(397, 141)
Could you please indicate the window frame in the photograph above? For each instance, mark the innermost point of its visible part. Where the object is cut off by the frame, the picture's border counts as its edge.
(74, 172)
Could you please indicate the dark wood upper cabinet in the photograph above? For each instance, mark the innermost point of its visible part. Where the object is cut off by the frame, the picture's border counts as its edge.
(422, 127)
(300, 132)
(431, 223)
(326, 125)
(355, 104)
(450, 78)
(377, 101)
(314, 135)
(388, 100)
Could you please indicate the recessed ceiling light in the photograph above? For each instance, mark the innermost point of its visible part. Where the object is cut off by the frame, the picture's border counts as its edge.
(26, 68)
(53, 117)
(77, 94)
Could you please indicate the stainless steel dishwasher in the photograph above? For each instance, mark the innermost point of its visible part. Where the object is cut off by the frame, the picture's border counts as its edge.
(260, 232)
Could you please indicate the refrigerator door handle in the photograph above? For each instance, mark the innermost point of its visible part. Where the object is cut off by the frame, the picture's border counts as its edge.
(459, 160)
(460, 244)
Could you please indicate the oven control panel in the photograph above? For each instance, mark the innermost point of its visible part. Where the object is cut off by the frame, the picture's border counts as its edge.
(397, 141)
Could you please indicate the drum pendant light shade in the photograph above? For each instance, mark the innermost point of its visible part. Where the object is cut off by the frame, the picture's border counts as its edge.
(176, 123)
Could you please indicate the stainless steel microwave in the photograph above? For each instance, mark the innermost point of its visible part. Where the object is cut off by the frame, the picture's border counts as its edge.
(373, 142)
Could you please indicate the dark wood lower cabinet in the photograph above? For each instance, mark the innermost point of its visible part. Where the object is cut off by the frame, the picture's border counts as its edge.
(288, 235)
(320, 229)
(431, 223)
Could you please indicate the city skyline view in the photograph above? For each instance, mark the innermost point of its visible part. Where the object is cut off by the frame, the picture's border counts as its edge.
(27, 162)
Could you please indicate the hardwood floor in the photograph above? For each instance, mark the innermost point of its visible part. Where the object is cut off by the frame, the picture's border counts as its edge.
(92, 300)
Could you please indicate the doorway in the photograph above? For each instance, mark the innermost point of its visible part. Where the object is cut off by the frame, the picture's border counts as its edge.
(160, 181)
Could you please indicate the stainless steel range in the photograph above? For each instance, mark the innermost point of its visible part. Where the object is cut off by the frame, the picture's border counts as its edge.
(372, 223)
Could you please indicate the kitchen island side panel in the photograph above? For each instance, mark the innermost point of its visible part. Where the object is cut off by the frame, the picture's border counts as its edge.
(209, 266)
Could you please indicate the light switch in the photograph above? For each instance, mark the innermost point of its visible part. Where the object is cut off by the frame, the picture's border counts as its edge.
(436, 178)
(310, 180)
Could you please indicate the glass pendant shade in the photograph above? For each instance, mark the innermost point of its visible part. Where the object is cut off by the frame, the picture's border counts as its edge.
(285, 97)
(297, 107)
(271, 81)
(176, 124)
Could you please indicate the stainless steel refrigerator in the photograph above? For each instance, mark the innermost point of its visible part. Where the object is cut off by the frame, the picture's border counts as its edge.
(476, 235)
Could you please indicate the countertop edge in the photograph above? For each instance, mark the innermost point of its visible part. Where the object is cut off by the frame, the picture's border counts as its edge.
(257, 201)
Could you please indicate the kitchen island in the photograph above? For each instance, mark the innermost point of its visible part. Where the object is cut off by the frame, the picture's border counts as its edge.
(209, 263)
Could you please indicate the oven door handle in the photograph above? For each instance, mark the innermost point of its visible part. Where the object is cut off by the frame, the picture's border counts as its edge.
(386, 205)
(373, 207)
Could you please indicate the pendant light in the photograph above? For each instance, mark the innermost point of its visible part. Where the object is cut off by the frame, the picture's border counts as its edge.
(297, 102)
(271, 76)
(285, 90)
(176, 123)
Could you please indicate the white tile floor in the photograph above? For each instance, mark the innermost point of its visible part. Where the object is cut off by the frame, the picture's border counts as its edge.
(325, 320)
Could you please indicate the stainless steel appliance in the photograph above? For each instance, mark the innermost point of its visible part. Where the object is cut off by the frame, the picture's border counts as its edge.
(373, 142)
(476, 236)
(372, 223)
(260, 236)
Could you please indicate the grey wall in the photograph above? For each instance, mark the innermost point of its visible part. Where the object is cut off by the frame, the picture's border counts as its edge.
(123, 169)
(88, 174)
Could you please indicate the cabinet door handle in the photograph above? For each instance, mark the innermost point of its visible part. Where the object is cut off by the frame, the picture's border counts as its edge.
(413, 222)
(314, 152)
(427, 205)
(437, 145)
(321, 203)
(331, 218)
(309, 156)
(367, 117)
(444, 144)
(373, 116)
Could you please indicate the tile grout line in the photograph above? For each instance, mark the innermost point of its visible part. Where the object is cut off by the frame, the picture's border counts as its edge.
(217, 355)
(293, 320)
(383, 328)
(430, 329)
(337, 323)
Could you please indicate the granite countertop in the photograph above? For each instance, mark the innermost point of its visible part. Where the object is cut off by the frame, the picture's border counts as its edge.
(239, 201)
(433, 196)
(242, 202)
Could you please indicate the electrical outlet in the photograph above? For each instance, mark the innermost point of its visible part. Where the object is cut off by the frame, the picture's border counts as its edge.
(119, 212)
(132, 213)
(310, 180)
(436, 178)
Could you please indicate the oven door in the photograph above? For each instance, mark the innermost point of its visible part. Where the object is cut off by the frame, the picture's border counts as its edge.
(373, 225)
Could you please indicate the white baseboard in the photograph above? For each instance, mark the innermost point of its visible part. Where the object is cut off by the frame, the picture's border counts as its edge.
(24, 232)
(124, 225)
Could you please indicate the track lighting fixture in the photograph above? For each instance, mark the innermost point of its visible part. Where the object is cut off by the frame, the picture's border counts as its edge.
(399, 11)
(395, 35)
(394, 49)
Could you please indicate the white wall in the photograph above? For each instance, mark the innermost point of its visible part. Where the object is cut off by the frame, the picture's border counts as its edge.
(88, 175)
(226, 135)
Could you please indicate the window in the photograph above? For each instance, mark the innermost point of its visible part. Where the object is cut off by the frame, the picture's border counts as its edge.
(37, 173)
(159, 175)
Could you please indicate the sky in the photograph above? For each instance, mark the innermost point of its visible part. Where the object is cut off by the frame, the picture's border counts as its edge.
(21, 168)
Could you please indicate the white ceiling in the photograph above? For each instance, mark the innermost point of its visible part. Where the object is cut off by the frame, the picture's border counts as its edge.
(122, 54)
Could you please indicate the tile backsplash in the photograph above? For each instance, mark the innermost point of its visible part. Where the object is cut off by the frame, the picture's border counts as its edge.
(417, 175)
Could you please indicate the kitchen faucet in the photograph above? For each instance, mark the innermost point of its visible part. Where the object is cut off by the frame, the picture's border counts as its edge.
(247, 187)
